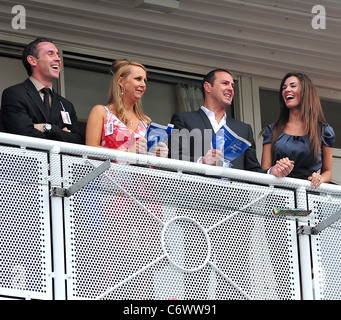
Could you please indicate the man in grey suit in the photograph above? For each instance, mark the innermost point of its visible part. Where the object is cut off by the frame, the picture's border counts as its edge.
(193, 131)
(32, 108)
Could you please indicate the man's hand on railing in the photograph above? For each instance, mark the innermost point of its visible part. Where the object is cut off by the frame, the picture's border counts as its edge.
(212, 157)
(282, 167)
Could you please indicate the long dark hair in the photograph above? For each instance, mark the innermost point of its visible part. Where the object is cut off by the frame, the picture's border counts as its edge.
(311, 113)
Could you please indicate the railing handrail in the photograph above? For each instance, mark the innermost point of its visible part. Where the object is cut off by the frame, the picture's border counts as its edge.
(165, 163)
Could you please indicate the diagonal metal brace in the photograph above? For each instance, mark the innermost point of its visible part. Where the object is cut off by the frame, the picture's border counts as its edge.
(63, 192)
(321, 226)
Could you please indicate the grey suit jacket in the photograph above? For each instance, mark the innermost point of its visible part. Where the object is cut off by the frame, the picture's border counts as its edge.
(22, 107)
(193, 133)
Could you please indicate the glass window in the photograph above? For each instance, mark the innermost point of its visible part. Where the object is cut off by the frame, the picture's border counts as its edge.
(85, 89)
(332, 113)
(87, 81)
(13, 72)
(269, 106)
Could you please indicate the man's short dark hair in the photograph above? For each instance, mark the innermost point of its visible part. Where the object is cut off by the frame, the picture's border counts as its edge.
(31, 50)
(210, 77)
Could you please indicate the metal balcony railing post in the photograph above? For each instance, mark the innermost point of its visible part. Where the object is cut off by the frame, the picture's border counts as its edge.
(58, 243)
(304, 250)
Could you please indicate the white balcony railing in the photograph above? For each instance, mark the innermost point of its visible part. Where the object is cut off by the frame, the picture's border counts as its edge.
(78, 222)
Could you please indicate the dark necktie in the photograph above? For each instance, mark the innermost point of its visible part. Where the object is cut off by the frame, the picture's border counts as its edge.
(47, 93)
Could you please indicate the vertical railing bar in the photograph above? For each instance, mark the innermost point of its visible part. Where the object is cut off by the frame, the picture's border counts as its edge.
(58, 245)
(304, 250)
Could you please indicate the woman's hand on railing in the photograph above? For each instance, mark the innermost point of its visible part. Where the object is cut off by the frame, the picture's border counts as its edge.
(140, 146)
(316, 179)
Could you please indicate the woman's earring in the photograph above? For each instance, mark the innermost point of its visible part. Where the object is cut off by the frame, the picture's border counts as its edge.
(122, 91)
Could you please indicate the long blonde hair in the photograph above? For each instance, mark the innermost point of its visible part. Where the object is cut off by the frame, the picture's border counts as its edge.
(121, 69)
(311, 113)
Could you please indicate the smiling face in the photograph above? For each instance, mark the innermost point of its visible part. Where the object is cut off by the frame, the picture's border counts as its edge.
(46, 67)
(222, 90)
(134, 85)
(292, 92)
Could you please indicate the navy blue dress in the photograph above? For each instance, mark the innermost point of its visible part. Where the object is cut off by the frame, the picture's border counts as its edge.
(297, 148)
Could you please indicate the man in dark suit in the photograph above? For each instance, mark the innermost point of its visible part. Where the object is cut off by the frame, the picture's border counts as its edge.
(193, 131)
(32, 108)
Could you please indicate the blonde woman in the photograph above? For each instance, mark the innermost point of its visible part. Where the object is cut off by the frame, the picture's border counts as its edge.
(122, 124)
(301, 132)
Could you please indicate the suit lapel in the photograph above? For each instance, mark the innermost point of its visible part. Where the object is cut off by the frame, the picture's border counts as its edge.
(206, 131)
(35, 97)
(206, 121)
(228, 123)
(235, 126)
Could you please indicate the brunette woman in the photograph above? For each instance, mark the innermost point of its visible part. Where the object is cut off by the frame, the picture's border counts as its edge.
(301, 133)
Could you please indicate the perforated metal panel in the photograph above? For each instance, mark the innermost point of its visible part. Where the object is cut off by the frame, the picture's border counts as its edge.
(25, 247)
(326, 247)
(138, 232)
(141, 233)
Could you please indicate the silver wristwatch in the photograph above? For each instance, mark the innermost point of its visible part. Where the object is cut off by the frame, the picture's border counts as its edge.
(47, 127)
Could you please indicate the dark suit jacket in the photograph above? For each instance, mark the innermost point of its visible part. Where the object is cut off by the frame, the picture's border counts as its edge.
(193, 143)
(22, 107)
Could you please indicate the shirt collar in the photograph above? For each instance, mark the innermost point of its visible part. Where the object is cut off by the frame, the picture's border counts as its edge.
(210, 113)
(38, 84)
(211, 116)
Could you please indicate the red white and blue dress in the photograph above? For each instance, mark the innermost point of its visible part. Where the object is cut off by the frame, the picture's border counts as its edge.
(116, 135)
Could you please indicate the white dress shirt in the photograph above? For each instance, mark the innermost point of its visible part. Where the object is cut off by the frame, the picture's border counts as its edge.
(216, 126)
(211, 116)
(40, 86)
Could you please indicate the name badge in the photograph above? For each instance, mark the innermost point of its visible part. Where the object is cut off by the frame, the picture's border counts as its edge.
(65, 117)
(109, 128)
